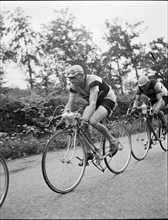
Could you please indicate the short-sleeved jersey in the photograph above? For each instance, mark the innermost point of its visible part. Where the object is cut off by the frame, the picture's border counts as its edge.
(153, 90)
(94, 83)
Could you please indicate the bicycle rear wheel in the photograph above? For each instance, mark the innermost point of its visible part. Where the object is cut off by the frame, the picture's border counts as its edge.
(120, 160)
(163, 137)
(4, 180)
(140, 138)
(60, 162)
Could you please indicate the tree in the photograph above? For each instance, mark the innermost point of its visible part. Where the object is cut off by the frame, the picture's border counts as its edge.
(22, 43)
(2, 50)
(66, 45)
(159, 58)
(123, 52)
(115, 53)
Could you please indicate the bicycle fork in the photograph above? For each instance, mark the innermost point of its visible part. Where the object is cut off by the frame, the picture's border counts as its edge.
(71, 147)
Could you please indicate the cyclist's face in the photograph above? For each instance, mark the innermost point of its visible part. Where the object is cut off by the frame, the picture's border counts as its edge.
(76, 80)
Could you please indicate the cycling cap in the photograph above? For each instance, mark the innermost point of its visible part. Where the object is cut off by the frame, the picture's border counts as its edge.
(142, 80)
(74, 70)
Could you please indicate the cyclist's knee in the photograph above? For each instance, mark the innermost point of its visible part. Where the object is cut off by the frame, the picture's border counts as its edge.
(93, 122)
(162, 105)
(160, 112)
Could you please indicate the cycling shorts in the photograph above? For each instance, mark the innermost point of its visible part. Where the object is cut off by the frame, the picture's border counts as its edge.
(165, 98)
(108, 104)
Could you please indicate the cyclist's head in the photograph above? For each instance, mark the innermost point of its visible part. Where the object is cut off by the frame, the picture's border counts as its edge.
(75, 70)
(143, 80)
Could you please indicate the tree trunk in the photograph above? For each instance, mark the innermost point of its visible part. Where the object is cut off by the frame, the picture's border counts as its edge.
(136, 72)
(120, 79)
(30, 74)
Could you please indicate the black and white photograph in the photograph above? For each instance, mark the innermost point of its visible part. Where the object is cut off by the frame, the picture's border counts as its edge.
(83, 109)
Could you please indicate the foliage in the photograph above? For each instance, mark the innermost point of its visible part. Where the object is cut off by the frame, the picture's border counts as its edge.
(46, 55)
(123, 52)
(2, 50)
(159, 64)
(22, 43)
(62, 44)
(26, 121)
(29, 138)
(31, 113)
(14, 147)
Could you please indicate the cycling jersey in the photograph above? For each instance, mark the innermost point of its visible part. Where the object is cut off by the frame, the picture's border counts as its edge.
(94, 83)
(153, 90)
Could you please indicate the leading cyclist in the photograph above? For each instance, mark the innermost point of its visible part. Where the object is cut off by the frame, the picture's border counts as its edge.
(158, 95)
(101, 101)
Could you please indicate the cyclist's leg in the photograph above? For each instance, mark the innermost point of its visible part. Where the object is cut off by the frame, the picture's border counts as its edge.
(151, 142)
(101, 112)
(87, 131)
(161, 114)
(89, 155)
(98, 115)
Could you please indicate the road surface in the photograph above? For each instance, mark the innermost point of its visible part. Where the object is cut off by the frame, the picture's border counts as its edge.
(141, 191)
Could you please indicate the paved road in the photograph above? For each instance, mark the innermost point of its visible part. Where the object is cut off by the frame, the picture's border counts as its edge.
(140, 192)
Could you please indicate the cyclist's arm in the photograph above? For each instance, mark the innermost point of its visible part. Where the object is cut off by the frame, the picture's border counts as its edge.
(71, 100)
(89, 110)
(137, 98)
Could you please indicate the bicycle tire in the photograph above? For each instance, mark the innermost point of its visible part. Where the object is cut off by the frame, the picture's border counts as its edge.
(140, 138)
(4, 180)
(163, 137)
(120, 160)
(61, 172)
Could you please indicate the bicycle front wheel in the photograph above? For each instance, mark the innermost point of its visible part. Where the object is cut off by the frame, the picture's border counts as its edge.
(60, 162)
(140, 138)
(120, 159)
(4, 180)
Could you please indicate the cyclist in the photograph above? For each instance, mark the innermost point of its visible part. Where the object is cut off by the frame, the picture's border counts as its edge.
(101, 101)
(158, 95)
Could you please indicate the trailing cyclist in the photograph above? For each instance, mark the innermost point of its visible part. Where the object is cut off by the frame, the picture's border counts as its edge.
(158, 95)
(101, 101)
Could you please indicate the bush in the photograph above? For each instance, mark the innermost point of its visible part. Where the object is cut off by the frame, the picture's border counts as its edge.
(12, 148)
(26, 119)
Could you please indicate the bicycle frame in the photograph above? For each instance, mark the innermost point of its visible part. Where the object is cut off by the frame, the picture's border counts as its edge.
(148, 118)
(73, 122)
(151, 127)
(96, 152)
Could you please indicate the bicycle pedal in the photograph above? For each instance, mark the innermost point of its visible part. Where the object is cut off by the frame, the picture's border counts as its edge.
(100, 157)
(81, 163)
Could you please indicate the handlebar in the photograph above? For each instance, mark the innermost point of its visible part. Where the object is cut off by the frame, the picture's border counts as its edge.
(71, 115)
(145, 109)
(71, 118)
(67, 116)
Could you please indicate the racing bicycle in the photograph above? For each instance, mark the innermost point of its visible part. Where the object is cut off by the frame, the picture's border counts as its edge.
(146, 130)
(65, 152)
(4, 180)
